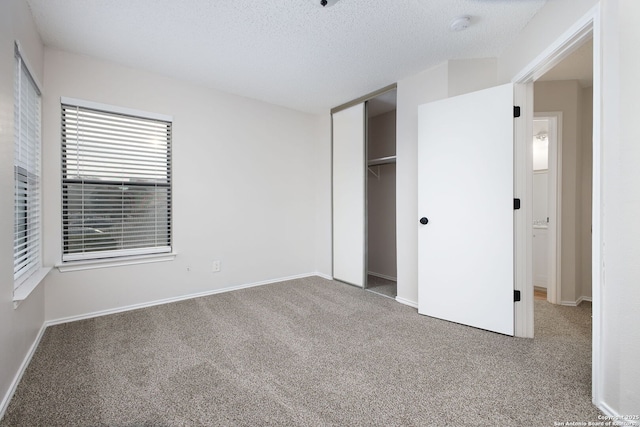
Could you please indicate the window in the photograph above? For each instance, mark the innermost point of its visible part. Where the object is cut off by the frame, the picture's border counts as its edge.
(116, 182)
(26, 167)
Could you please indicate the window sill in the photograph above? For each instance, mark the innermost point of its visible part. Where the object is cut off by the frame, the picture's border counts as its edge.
(114, 262)
(24, 290)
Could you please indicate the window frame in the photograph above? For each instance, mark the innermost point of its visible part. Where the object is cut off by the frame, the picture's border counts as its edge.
(28, 270)
(86, 259)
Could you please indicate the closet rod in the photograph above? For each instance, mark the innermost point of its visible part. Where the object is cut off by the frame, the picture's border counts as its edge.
(381, 161)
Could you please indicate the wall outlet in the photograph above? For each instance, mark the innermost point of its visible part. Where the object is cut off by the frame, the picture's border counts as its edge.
(216, 266)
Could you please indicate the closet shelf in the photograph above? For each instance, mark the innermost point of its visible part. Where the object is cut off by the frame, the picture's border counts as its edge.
(381, 161)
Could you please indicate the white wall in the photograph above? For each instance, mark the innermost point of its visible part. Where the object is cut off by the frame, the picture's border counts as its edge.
(620, 292)
(322, 162)
(245, 188)
(429, 85)
(469, 75)
(18, 327)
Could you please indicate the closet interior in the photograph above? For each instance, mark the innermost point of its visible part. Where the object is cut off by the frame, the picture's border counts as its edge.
(381, 194)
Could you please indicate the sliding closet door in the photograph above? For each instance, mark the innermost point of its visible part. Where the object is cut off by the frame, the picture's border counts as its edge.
(349, 195)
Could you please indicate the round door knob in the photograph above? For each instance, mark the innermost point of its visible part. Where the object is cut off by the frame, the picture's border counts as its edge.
(424, 220)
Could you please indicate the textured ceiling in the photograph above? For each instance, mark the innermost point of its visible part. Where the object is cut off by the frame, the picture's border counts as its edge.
(287, 52)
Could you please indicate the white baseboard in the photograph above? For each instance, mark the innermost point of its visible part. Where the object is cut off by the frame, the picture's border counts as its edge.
(324, 276)
(612, 416)
(577, 302)
(407, 302)
(23, 367)
(382, 276)
(175, 299)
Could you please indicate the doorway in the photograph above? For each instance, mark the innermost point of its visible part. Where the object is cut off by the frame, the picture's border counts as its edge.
(562, 186)
(587, 28)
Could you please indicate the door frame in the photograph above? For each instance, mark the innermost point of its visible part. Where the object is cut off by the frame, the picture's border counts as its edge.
(588, 26)
(554, 267)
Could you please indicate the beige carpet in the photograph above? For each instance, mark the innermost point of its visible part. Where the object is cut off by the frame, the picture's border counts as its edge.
(308, 352)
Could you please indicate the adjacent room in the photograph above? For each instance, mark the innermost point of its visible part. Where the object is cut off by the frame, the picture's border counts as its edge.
(319, 212)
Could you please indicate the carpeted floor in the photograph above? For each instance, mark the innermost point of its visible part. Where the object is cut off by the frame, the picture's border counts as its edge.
(307, 352)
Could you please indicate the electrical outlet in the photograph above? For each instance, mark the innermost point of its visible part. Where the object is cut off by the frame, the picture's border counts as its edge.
(216, 266)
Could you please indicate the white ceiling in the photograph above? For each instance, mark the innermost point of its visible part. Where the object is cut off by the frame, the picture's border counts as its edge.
(287, 52)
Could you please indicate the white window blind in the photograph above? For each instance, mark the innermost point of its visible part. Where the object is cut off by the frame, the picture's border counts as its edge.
(26, 166)
(116, 183)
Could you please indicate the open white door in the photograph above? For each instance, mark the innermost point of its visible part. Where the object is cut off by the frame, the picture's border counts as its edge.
(465, 191)
(349, 195)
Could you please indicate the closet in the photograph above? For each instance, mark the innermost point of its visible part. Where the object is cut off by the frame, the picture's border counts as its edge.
(364, 192)
(381, 195)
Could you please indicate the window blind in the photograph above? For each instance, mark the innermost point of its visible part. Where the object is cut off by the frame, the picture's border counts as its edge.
(116, 184)
(26, 166)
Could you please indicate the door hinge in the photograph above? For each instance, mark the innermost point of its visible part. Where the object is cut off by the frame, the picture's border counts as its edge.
(516, 204)
(516, 111)
(516, 296)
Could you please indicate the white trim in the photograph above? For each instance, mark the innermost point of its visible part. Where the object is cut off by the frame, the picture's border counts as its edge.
(324, 276)
(588, 26)
(382, 276)
(114, 262)
(27, 64)
(407, 302)
(597, 242)
(26, 287)
(172, 299)
(611, 416)
(114, 253)
(560, 49)
(115, 109)
(523, 218)
(23, 367)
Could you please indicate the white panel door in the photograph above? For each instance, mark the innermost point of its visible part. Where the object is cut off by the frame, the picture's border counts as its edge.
(349, 195)
(465, 190)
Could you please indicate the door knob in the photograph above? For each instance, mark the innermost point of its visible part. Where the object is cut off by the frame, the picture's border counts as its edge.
(424, 220)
